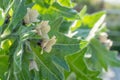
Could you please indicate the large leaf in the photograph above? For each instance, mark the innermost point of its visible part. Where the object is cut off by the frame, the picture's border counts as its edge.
(79, 69)
(100, 56)
(67, 12)
(56, 10)
(87, 21)
(90, 20)
(87, 32)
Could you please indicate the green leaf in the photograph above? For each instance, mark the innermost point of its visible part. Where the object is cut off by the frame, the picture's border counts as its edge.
(85, 31)
(62, 39)
(55, 11)
(19, 11)
(67, 12)
(17, 58)
(62, 51)
(48, 69)
(83, 12)
(3, 65)
(56, 24)
(4, 4)
(90, 20)
(44, 3)
(47, 13)
(64, 28)
(96, 28)
(5, 45)
(66, 3)
(2, 17)
(87, 21)
(79, 69)
(15, 55)
(100, 56)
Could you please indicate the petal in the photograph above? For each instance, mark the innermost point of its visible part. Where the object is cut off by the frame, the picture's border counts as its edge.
(45, 36)
(45, 28)
(52, 41)
(26, 19)
(103, 37)
(48, 49)
(48, 45)
(31, 16)
(44, 43)
(33, 65)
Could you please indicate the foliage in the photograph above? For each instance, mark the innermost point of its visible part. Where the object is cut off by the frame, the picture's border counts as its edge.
(76, 34)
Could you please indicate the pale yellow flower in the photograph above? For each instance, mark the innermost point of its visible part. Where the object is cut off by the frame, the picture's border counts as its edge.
(108, 43)
(31, 16)
(103, 37)
(47, 44)
(42, 29)
(33, 65)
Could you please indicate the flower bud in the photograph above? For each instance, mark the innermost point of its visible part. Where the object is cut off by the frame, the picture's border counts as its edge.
(42, 29)
(103, 37)
(31, 16)
(108, 43)
(47, 44)
(33, 65)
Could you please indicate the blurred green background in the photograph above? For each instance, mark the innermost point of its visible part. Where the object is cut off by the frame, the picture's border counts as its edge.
(112, 8)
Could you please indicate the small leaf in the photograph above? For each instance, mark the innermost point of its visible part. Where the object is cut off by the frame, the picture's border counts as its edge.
(66, 3)
(3, 65)
(2, 17)
(5, 45)
(83, 12)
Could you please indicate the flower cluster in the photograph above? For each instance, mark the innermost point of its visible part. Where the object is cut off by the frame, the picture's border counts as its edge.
(42, 29)
(103, 37)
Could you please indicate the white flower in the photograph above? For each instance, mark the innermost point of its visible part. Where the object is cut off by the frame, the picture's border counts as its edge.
(31, 16)
(103, 37)
(47, 44)
(42, 29)
(108, 43)
(33, 65)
